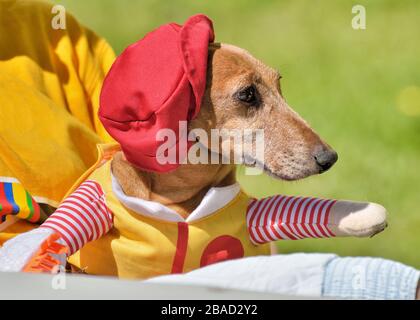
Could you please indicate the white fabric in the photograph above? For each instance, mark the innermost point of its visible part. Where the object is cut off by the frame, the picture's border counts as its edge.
(291, 274)
(16, 253)
(9, 180)
(215, 199)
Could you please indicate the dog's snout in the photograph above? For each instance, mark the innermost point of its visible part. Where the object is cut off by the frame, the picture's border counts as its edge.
(326, 159)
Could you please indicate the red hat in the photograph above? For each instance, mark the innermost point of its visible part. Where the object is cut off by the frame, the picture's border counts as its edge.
(155, 83)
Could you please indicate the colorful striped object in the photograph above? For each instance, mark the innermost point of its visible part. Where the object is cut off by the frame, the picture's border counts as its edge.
(82, 217)
(288, 218)
(15, 200)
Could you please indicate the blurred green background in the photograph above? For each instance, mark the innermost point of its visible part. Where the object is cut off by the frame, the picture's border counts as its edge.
(360, 89)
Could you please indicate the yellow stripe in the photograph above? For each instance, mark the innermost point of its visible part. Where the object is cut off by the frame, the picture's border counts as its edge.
(19, 194)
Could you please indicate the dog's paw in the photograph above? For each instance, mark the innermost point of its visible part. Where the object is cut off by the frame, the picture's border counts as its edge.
(357, 219)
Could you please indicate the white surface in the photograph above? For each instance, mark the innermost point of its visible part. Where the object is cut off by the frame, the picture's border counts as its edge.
(297, 274)
(14, 286)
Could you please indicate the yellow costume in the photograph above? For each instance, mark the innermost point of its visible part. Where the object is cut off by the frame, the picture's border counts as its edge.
(50, 82)
(140, 246)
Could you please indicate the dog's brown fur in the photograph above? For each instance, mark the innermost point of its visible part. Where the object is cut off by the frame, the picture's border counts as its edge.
(290, 144)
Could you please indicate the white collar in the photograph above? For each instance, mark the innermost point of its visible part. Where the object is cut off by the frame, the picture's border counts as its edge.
(215, 199)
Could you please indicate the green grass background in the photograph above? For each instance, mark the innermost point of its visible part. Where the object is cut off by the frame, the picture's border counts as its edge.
(350, 85)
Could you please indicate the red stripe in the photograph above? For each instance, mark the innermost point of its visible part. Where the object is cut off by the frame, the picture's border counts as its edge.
(106, 214)
(278, 199)
(286, 219)
(181, 248)
(267, 223)
(73, 232)
(256, 225)
(95, 223)
(91, 189)
(251, 205)
(285, 200)
(304, 215)
(251, 231)
(288, 212)
(276, 208)
(287, 233)
(311, 218)
(107, 217)
(324, 202)
(6, 207)
(74, 217)
(327, 218)
(258, 217)
(79, 214)
(95, 209)
(94, 185)
(251, 221)
(281, 219)
(294, 223)
(37, 211)
(52, 225)
(255, 212)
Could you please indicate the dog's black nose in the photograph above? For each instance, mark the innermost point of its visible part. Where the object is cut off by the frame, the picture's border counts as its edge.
(325, 159)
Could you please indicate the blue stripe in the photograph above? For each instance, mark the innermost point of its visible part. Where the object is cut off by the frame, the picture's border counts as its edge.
(8, 190)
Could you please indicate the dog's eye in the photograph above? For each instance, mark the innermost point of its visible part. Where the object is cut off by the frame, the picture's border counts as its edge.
(248, 95)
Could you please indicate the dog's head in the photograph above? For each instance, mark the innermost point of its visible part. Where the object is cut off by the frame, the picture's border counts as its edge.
(243, 93)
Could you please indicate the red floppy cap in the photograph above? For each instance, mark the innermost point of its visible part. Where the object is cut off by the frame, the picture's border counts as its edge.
(154, 84)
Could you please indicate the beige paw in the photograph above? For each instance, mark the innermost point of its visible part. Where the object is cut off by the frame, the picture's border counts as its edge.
(357, 219)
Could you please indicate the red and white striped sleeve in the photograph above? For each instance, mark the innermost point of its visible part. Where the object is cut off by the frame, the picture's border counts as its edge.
(288, 218)
(82, 217)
